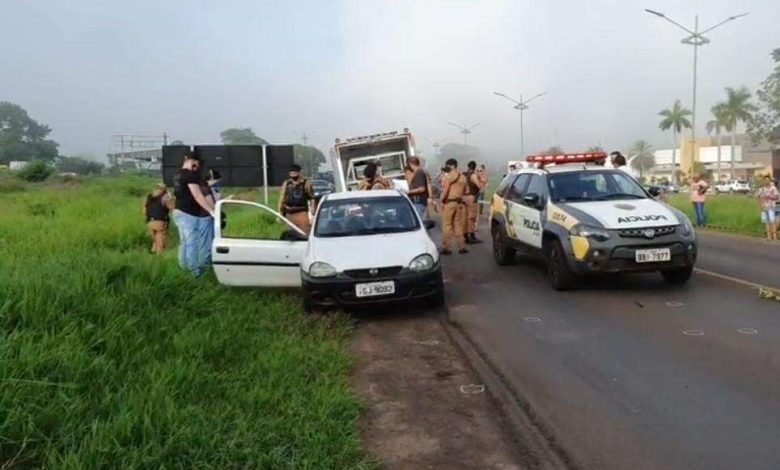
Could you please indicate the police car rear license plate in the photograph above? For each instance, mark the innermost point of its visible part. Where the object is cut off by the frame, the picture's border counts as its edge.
(372, 289)
(657, 255)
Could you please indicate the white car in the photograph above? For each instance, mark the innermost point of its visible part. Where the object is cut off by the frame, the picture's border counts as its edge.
(365, 247)
(733, 186)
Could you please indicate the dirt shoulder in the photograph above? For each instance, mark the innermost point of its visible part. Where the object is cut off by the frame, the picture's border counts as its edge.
(425, 407)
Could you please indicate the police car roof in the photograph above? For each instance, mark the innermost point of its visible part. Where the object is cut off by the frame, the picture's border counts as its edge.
(362, 194)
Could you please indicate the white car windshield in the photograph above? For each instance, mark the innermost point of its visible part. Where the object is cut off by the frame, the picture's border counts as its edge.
(365, 216)
(594, 186)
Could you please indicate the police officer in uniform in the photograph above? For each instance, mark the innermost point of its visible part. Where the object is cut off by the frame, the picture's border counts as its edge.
(296, 194)
(454, 208)
(473, 188)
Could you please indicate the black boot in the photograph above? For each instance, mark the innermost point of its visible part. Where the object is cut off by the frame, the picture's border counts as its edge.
(474, 238)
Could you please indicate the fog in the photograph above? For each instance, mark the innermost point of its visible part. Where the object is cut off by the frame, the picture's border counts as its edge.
(92, 69)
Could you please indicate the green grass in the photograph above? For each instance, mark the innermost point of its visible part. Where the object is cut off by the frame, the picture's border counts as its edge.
(114, 358)
(728, 213)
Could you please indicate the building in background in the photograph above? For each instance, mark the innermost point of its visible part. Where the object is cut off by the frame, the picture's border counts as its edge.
(750, 160)
(139, 160)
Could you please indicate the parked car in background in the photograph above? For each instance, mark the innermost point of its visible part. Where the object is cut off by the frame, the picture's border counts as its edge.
(669, 188)
(733, 186)
(322, 188)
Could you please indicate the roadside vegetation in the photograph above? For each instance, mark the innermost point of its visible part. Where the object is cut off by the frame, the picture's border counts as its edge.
(111, 357)
(727, 213)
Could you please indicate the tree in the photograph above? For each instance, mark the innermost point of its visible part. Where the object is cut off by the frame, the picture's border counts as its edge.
(309, 158)
(737, 108)
(36, 171)
(717, 126)
(677, 120)
(461, 153)
(642, 158)
(23, 138)
(241, 136)
(79, 165)
(766, 122)
(554, 150)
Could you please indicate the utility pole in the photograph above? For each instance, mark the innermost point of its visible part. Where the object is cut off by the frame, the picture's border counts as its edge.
(521, 106)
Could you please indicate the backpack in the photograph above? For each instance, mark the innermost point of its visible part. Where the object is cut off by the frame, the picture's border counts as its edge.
(296, 194)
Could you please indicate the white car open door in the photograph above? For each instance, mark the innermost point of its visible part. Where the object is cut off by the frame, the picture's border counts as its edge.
(257, 246)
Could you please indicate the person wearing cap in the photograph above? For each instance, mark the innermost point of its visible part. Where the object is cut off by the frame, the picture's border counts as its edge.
(473, 188)
(295, 197)
(157, 207)
(453, 190)
(192, 211)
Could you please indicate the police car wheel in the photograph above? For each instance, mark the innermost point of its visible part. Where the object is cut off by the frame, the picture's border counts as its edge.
(502, 253)
(561, 276)
(677, 276)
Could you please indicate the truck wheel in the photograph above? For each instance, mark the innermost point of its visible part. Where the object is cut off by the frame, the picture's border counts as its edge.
(502, 252)
(677, 276)
(561, 276)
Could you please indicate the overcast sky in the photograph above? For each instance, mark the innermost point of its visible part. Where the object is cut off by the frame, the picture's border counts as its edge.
(92, 69)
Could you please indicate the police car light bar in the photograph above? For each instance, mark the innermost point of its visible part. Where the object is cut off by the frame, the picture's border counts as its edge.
(567, 158)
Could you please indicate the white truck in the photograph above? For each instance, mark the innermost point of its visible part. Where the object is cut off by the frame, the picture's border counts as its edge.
(390, 149)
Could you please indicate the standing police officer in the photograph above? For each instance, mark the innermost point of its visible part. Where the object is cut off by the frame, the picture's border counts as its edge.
(294, 199)
(473, 188)
(453, 214)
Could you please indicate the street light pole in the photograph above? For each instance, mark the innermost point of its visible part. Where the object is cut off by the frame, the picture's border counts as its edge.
(695, 39)
(465, 130)
(521, 106)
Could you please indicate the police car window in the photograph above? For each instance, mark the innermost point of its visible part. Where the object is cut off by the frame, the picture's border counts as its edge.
(537, 186)
(504, 184)
(365, 216)
(594, 186)
(517, 189)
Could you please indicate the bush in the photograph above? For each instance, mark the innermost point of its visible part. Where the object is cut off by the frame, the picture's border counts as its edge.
(36, 171)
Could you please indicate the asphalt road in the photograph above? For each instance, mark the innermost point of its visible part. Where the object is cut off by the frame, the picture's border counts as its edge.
(629, 372)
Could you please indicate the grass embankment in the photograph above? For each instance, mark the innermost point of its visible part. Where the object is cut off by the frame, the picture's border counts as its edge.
(728, 213)
(111, 357)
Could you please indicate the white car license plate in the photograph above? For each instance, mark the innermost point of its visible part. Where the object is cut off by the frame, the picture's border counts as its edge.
(656, 255)
(371, 289)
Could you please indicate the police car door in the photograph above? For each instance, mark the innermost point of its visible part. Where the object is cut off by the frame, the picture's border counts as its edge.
(514, 206)
(532, 205)
(257, 247)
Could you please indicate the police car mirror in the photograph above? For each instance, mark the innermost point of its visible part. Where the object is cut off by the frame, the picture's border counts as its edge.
(531, 200)
(429, 224)
(654, 191)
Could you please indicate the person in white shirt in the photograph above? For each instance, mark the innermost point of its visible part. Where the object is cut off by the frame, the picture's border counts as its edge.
(619, 161)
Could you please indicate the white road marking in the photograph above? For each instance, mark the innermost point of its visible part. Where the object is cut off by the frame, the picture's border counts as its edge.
(693, 333)
(472, 389)
(736, 280)
(674, 304)
(532, 319)
(747, 331)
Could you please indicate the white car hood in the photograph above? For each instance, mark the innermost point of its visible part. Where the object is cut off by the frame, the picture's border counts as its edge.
(370, 251)
(629, 213)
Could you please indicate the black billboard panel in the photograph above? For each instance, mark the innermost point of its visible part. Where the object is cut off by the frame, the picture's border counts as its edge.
(246, 155)
(173, 155)
(280, 159)
(213, 155)
(245, 177)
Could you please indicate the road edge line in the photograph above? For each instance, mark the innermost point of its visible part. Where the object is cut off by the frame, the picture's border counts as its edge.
(535, 442)
(735, 280)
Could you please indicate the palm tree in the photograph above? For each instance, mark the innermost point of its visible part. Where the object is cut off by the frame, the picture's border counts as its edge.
(676, 119)
(642, 158)
(736, 108)
(717, 125)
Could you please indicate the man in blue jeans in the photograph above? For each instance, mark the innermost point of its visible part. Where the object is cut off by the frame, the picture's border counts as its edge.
(418, 186)
(192, 216)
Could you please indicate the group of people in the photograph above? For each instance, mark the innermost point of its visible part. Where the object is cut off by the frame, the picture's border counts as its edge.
(192, 210)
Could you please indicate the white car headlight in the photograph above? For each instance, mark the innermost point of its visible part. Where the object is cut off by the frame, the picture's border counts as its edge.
(686, 229)
(589, 231)
(320, 269)
(421, 263)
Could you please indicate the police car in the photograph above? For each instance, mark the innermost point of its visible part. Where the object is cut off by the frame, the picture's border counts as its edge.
(365, 248)
(584, 218)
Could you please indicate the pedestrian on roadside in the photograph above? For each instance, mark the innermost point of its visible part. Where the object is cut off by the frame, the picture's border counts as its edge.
(473, 188)
(698, 198)
(296, 195)
(157, 208)
(453, 207)
(191, 213)
(418, 187)
(768, 196)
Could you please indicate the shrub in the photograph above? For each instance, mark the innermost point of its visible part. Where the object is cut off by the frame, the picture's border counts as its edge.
(36, 171)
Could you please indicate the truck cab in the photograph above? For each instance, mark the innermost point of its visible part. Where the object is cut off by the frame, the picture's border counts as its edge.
(390, 149)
